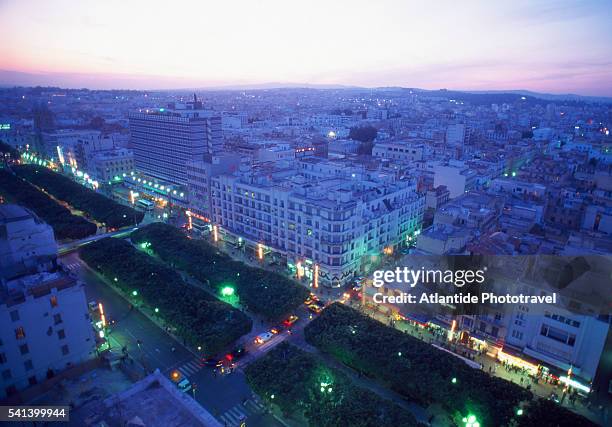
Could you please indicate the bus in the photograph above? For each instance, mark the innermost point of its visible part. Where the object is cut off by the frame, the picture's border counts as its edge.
(145, 204)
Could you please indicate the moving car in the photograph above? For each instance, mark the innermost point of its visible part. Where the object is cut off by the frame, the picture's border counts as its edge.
(238, 353)
(277, 329)
(315, 308)
(213, 362)
(290, 320)
(264, 337)
(311, 298)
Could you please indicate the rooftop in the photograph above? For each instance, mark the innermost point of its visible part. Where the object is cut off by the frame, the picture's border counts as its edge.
(153, 401)
(13, 213)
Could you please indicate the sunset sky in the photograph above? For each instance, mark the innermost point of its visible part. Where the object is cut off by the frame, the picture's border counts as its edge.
(546, 46)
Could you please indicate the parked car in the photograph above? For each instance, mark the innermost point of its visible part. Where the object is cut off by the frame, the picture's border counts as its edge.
(184, 385)
(264, 337)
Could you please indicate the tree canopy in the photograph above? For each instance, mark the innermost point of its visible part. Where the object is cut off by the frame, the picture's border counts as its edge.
(96, 205)
(65, 225)
(412, 367)
(200, 319)
(302, 385)
(263, 292)
(363, 133)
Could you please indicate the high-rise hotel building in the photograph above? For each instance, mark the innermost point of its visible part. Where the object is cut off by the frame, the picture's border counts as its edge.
(164, 140)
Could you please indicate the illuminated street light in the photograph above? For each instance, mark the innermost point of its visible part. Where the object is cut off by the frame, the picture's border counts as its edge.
(519, 412)
(156, 310)
(471, 421)
(134, 293)
(454, 380)
(452, 330)
(102, 316)
(227, 291)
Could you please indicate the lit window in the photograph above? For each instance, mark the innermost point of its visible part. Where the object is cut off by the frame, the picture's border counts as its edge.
(19, 333)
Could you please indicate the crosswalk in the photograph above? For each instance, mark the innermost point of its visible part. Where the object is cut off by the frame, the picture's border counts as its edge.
(190, 368)
(73, 266)
(237, 415)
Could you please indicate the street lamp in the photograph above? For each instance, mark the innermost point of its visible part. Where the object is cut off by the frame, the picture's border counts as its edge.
(454, 380)
(156, 310)
(227, 291)
(471, 421)
(134, 293)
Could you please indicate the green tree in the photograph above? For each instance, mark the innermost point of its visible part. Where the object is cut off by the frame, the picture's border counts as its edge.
(363, 133)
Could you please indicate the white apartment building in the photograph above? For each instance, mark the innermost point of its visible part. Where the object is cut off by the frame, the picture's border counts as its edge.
(75, 148)
(112, 164)
(199, 174)
(165, 140)
(329, 223)
(402, 151)
(45, 329)
(44, 324)
(456, 134)
(518, 187)
(26, 243)
(457, 177)
(559, 338)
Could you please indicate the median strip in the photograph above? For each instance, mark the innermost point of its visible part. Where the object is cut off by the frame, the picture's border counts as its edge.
(200, 319)
(265, 293)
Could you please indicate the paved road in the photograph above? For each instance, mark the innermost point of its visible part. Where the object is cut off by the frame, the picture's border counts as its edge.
(227, 397)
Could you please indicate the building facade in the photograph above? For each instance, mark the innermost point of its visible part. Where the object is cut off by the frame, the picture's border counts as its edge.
(164, 141)
(327, 224)
(26, 243)
(45, 329)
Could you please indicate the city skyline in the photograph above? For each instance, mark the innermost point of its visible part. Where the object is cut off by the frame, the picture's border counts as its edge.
(521, 46)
